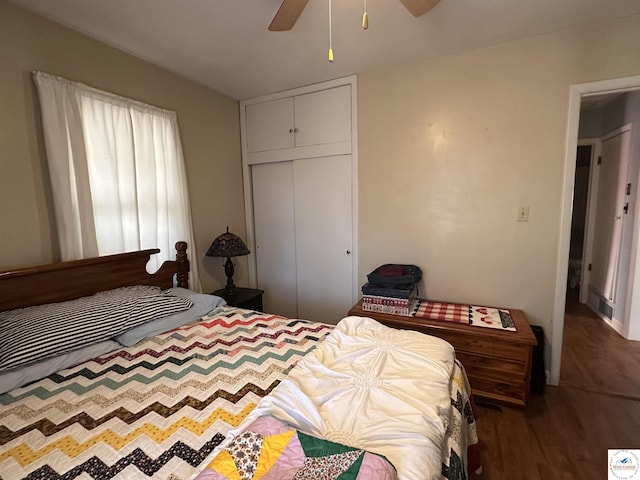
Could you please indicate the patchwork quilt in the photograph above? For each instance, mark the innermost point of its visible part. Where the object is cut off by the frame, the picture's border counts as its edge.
(270, 450)
(160, 408)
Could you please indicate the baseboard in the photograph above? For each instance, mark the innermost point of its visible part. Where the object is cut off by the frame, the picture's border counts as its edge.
(617, 325)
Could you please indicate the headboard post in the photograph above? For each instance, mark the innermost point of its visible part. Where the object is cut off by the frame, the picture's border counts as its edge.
(182, 276)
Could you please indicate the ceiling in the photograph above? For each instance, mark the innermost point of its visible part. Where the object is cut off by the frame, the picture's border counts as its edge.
(225, 44)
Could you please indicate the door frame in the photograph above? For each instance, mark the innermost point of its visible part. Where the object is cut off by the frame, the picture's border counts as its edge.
(576, 92)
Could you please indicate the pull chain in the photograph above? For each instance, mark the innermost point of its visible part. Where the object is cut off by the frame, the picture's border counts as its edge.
(330, 35)
(365, 17)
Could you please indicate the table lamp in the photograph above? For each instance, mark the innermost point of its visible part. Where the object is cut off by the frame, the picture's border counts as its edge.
(228, 245)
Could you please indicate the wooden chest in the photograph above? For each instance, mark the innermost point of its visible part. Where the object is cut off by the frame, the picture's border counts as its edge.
(497, 362)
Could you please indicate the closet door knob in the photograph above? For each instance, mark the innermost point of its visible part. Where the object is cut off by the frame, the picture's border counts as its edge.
(348, 252)
(295, 130)
(291, 130)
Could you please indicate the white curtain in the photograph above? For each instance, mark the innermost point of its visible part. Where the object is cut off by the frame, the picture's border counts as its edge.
(117, 173)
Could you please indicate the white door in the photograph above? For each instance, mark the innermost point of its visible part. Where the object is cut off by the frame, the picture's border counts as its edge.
(273, 212)
(323, 221)
(612, 180)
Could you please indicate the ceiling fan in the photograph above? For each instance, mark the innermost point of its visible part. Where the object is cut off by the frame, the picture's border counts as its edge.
(290, 10)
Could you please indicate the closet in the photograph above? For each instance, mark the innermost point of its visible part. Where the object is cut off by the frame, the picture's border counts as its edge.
(299, 161)
(317, 118)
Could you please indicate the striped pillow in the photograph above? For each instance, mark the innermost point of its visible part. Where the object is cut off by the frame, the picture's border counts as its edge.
(35, 333)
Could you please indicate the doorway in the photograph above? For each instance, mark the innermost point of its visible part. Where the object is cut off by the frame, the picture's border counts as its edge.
(577, 94)
(578, 273)
(611, 229)
(599, 254)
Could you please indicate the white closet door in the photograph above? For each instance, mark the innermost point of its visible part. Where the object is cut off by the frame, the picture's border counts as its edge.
(323, 117)
(323, 222)
(273, 210)
(270, 125)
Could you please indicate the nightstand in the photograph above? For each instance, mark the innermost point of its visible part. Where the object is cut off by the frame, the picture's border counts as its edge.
(249, 298)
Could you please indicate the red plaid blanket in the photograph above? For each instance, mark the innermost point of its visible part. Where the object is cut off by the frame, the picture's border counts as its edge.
(449, 312)
(468, 314)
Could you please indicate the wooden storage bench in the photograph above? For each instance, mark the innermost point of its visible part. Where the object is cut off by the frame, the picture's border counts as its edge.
(498, 363)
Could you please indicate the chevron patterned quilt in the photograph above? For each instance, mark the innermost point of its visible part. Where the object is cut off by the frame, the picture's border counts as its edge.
(158, 409)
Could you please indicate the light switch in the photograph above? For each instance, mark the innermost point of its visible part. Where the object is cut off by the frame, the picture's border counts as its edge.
(523, 214)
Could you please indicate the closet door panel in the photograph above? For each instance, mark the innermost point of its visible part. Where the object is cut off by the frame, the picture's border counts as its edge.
(323, 117)
(269, 124)
(323, 222)
(273, 209)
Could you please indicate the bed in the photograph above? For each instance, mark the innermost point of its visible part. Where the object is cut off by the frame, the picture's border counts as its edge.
(173, 399)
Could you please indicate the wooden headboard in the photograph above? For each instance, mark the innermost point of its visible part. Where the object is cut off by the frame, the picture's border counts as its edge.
(62, 281)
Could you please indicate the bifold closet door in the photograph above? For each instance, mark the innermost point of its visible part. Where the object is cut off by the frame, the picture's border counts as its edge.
(273, 211)
(323, 223)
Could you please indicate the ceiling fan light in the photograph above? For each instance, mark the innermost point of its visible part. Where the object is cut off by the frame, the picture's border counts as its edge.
(330, 35)
(365, 17)
(290, 10)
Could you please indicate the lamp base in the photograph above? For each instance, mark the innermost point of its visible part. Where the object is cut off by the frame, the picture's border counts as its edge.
(230, 287)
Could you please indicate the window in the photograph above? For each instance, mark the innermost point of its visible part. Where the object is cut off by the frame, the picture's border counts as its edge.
(117, 172)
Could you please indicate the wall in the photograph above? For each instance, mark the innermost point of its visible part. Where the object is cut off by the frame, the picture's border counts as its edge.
(450, 148)
(580, 200)
(590, 123)
(208, 120)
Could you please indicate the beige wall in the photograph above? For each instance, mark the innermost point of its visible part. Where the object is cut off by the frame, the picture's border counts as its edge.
(450, 148)
(208, 120)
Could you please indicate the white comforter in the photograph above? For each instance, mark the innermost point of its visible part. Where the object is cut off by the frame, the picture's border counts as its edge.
(374, 388)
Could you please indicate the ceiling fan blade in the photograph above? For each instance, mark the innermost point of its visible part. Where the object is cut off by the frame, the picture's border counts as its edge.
(287, 15)
(419, 7)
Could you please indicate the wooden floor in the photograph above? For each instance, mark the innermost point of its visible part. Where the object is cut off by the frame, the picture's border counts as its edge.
(595, 357)
(565, 433)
